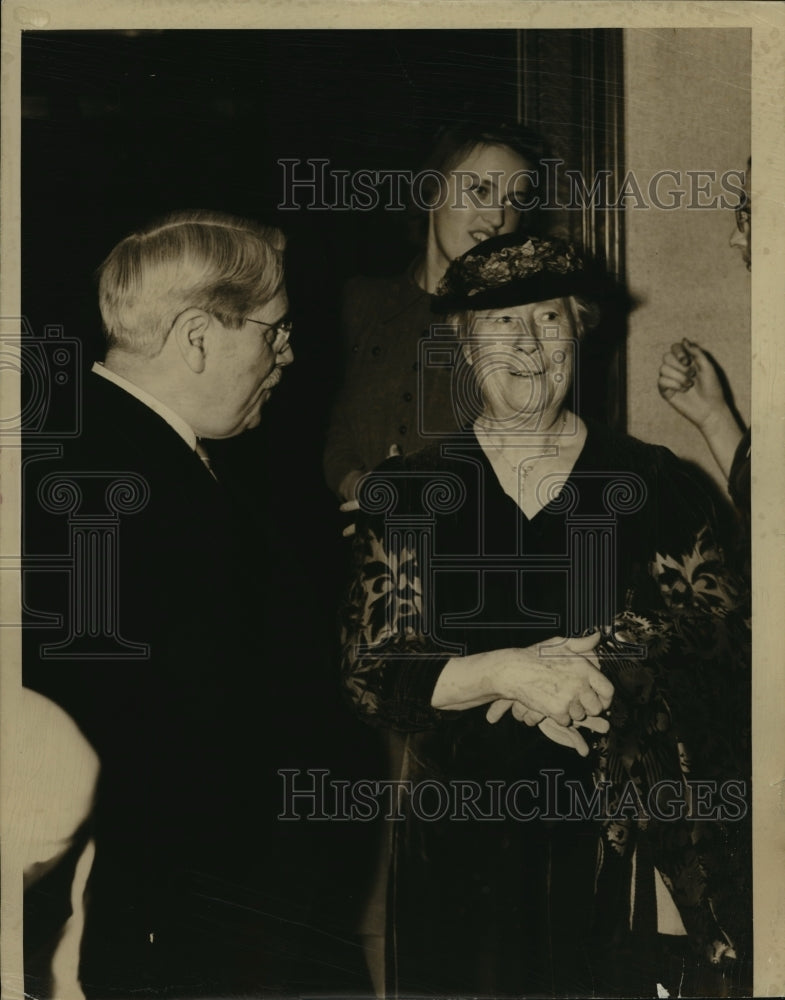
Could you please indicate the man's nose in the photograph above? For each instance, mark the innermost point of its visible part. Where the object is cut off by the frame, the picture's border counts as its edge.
(286, 357)
(738, 238)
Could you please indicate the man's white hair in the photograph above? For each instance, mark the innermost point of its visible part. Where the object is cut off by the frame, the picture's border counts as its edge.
(226, 265)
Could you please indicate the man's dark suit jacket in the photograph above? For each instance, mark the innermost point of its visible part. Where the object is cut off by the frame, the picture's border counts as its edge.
(176, 688)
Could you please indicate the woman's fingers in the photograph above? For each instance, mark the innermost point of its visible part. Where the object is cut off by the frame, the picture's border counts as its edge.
(520, 712)
(526, 715)
(597, 723)
(565, 735)
(550, 678)
(580, 672)
(674, 374)
(682, 360)
(605, 691)
(591, 703)
(347, 507)
(697, 354)
(677, 360)
(595, 678)
(668, 386)
(497, 709)
(680, 379)
(584, 643)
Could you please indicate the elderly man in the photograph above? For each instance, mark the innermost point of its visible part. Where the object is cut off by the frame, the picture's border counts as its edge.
(196, 322)
(151, 613)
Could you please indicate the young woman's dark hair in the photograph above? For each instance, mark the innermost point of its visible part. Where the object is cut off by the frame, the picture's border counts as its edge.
(451, 145)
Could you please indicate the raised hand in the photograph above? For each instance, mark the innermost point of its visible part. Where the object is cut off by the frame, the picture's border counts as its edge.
(689, 382)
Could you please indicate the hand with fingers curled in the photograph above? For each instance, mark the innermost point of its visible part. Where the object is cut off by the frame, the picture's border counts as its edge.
(688, 380)
(568, 736)
(569, 691)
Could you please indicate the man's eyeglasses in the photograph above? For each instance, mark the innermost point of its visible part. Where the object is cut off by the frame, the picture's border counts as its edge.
(277, 334)
(742, 219)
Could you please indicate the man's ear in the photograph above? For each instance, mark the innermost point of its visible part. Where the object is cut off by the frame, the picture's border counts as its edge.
(189, 331)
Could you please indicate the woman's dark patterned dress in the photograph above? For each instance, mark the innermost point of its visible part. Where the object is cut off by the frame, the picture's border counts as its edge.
(512, 862)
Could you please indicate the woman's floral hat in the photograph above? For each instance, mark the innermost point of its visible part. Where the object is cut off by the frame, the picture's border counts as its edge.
(516, 270)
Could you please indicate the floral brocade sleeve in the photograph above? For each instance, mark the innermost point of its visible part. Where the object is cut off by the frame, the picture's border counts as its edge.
(679, 659)
(389, 665)
(694, 639)
(679, 653)
(698, 581)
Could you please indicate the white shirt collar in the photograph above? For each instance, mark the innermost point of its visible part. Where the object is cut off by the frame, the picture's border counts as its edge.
(175, 421)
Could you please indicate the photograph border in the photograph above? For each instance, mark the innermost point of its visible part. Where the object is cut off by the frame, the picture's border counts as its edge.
(767, 23)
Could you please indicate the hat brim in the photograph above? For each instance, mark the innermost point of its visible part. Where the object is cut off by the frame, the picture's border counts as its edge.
(523, 291)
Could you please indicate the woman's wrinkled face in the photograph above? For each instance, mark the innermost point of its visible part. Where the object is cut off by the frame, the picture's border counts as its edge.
(523, 358)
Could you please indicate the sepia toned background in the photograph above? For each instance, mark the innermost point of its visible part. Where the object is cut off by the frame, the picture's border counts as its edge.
(686, 105)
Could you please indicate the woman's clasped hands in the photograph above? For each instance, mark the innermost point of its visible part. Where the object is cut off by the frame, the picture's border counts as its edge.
(557, 686)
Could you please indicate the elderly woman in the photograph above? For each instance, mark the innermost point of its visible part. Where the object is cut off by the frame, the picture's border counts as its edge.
(476, 182)
(530, 842)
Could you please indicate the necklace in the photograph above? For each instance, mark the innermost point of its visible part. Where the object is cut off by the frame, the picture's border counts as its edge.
(523, 467)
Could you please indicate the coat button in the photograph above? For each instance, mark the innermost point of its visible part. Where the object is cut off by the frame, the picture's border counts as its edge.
(402, 429)
(376, 351)
(355, 348)
(407, 396)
